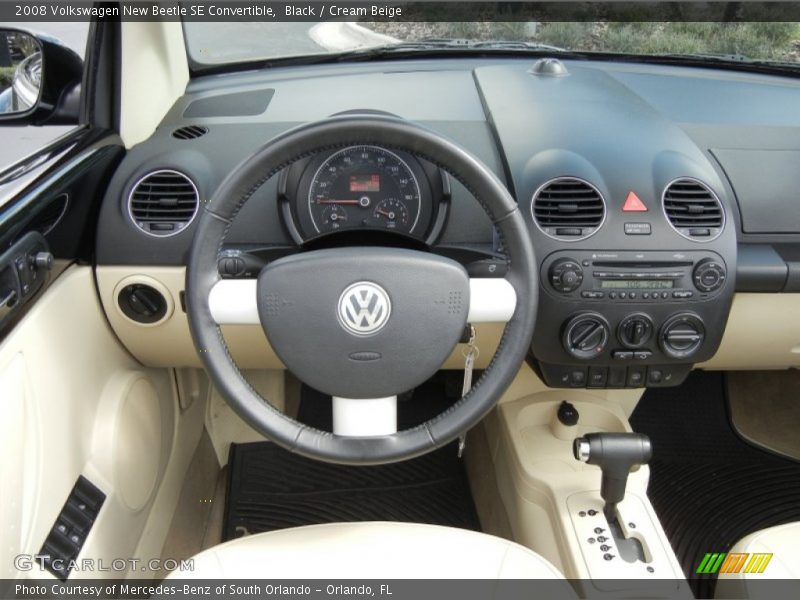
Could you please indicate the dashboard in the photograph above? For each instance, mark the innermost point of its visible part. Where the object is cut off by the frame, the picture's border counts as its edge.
(650, 202)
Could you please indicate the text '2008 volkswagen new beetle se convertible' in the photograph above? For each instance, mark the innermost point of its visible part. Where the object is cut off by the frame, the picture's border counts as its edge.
(390, 300)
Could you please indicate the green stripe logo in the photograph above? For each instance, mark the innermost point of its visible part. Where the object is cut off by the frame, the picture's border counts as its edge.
(711, 563)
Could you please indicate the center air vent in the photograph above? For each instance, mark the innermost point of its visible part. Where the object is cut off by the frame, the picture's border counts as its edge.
(568, 208)
(190, 132)
(693, 210)
(163, 203)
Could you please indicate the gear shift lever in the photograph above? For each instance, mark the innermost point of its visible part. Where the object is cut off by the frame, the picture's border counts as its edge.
(616, 454)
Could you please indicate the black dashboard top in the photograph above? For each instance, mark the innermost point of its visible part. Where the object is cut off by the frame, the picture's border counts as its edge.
(637, 182)
(619, 126)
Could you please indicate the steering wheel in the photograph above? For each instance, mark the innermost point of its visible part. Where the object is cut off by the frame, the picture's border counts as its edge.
(361, 324)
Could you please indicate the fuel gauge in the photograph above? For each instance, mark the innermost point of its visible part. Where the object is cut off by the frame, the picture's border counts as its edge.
(335, 216)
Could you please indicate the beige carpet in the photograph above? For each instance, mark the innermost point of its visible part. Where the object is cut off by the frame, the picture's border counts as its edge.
(197, 522)
(765, 409)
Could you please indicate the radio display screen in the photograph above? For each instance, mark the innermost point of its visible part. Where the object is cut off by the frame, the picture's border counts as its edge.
(637, 284)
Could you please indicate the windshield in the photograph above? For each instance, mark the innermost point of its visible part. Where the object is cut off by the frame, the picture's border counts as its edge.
(224, 43)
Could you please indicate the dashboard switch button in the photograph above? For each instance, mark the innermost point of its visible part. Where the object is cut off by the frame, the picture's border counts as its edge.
(637, 228)
(598, 376)
(577, 378)
(636, 376)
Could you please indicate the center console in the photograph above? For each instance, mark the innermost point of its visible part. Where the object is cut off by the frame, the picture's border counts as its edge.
(632, 223)
(628, 318)
(559, 506)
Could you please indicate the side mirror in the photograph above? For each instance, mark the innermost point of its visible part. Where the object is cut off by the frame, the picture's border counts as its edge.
(40, 80)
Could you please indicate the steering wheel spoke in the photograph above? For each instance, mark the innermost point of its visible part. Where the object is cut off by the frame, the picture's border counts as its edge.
(235, 302)
(365, 417)
(491, 300)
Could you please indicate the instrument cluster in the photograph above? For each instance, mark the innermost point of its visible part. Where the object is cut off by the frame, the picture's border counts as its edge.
(363, 188)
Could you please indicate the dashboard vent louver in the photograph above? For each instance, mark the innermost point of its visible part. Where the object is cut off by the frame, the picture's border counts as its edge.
(693, 210)
(568, 208)
(163, 203)
(190, 132)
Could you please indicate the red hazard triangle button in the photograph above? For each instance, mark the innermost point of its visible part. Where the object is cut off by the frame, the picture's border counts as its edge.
(633, 204)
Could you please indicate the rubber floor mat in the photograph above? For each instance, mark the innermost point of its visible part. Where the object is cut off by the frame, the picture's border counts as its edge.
(270, 488)
(709, 487)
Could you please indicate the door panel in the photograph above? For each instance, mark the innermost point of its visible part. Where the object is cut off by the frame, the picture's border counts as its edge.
(74, 402)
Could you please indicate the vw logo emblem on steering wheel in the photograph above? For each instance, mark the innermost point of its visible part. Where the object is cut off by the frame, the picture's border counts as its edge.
(364, 308)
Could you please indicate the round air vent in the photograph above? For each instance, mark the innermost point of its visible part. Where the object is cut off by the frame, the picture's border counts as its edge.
(163, 203)
(693, 210)
(190, 132)
(568, 208)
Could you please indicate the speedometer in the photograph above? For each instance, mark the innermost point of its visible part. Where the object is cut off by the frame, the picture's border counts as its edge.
(364, 187)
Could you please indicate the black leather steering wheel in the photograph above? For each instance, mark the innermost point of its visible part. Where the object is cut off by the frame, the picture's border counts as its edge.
(361, 323)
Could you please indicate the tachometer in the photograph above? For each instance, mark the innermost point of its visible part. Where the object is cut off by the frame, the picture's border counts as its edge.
(392, 212)
(364, 186)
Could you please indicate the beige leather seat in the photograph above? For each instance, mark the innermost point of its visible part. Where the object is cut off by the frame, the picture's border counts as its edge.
(783, 542)
(371, 550)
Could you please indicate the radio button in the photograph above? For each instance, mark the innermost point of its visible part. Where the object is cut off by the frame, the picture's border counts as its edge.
(645, 295)
(665, 295)
(682, 294)
(566, 275)
(708, 275)
(593, 295)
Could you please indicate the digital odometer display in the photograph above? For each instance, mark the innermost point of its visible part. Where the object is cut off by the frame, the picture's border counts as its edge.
(365, 187)
(637, 284)
(365, 183)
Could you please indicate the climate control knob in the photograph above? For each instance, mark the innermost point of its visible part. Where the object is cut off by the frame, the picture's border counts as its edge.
(709, 275)
(566, 275)
(585, 335)
(635, 330)
(682, 335)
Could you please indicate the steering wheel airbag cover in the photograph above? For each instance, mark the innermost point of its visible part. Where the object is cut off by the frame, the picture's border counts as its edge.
(339, 132)
(398, 342)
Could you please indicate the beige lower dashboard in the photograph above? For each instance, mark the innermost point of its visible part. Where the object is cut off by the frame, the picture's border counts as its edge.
(168, 343)
(763, 330)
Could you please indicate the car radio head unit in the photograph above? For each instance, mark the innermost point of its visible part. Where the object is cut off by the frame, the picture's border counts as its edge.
(656, 275)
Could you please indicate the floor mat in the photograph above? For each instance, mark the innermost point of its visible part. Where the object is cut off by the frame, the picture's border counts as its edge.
(709, 487)
(765, 409)
(270, 488)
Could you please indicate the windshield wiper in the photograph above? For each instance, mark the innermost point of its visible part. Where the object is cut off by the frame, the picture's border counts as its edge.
(734, 59)
(516, 45)
(444, 45)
